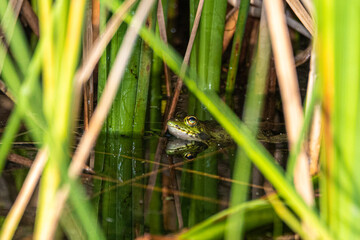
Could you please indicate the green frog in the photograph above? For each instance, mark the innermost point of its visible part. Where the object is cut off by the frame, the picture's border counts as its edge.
(192, 129)
(210, 132)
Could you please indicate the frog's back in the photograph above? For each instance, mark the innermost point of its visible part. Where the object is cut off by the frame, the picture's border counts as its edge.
(217, 132)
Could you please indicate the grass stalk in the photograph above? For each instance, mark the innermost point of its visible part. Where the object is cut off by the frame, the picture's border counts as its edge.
(29, 89)
(14, 36)
(88, 139)
(285, 67)
(8, 136)
(163, 36)
(287, 216)
(252, 113)
(247, 208)
(338, 59)
(236, 48)
(194, 57)
(211, 33)
(143, 87)
(302, 14)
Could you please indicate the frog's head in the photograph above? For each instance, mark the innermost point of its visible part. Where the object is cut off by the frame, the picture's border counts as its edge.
(188, 129)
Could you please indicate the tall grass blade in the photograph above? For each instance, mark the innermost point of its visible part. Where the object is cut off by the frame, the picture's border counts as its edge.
(257, 212)
(236, 48)
(15, 37)
(252, 114)
(8, 136)
(339, 59)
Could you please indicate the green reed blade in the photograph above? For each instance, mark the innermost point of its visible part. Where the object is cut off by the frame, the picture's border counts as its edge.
(84, 211)
(252, 113)
(288, 217)
(127, 94)
(235, 50)
(214, 45)
(28, 90)
(10, 74)
(338, 61)
(258, 212)
(15, 37)
(12, 127)
(207, 50)
(142, 90)
(145, 61)
(71, 226)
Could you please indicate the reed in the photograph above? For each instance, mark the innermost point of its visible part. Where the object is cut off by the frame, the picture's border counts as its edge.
(207, 49)
(235, 50)
(242, 136)
(338, 60)
(48, 109)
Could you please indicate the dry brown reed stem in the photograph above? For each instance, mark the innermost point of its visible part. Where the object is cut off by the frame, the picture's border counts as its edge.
(28, 13)
(115, 76)
(179, 82)
(4, 89)
(303, 56)
(285, 68)
(17, 7)
(96, 18)
(163, 36)
(315, 141)
(230, 27)
(88, 65)
(256, 12)
(236, 3)
(88, 86)
(302, 14)
(18, 208)
(315, 131)
(18, 159)
(173, 184)
(309, 5)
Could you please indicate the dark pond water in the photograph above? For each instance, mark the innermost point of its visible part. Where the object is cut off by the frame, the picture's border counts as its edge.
(133, 192)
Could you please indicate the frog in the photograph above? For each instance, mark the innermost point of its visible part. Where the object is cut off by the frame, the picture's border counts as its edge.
(192, 129)
(209, 132)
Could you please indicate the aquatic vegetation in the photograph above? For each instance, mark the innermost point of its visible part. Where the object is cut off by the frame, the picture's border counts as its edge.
(44, 76)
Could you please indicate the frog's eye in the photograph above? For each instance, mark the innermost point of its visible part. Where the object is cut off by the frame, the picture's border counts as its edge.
(191, 121)
(189, 156)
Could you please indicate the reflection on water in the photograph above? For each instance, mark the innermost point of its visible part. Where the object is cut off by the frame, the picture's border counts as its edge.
(119, 203)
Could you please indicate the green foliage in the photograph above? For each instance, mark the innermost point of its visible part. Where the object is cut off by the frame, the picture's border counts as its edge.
(47, 109)
(338, 60)
(242, 136)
